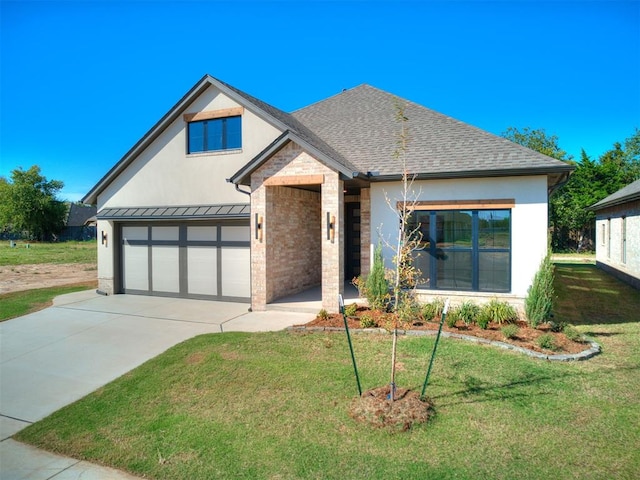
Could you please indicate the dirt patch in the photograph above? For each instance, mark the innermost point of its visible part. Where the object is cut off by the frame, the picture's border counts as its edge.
(375, 408)
(16, 278)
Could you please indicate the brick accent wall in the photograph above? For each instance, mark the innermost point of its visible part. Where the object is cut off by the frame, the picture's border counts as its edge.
(294, 252)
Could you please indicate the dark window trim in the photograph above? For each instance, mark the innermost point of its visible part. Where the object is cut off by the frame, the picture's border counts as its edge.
(205, 139)
(474, 249)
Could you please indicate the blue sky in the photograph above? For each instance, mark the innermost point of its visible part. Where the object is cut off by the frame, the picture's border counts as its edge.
(82, 81)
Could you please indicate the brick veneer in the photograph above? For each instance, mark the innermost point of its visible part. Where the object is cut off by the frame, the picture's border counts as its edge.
(294, 252)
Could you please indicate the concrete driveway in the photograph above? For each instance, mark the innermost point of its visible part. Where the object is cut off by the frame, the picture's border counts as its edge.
(51, 358)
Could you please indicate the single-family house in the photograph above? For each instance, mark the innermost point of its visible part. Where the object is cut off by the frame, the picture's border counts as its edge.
(618, 233)
(230, 198)
(78, 225)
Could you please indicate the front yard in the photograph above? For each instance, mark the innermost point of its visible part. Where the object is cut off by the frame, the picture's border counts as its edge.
(276, 405)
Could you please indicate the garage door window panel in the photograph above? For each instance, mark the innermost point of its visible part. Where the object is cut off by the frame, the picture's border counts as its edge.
(136, 253)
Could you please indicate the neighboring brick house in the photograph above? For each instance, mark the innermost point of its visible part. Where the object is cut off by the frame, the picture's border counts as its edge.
(229, 198)
(618, 234)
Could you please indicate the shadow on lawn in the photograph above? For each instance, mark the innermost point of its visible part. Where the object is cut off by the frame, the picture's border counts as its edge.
(586, 295)
(476, 391)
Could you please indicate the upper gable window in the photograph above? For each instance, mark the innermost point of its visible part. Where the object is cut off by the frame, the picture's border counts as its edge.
(215, 134)
(214, 130)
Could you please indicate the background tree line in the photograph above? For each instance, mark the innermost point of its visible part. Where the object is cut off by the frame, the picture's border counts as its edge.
(29, 207)
(572, 226)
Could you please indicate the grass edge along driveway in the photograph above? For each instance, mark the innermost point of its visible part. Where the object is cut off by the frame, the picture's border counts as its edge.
(276, 405)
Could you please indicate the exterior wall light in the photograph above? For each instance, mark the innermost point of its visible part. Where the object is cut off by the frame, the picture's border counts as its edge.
(331, 227)
(258, 227)
(104, 238)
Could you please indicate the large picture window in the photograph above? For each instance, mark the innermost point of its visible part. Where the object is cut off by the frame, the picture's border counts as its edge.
(215, 134)
(464, 249)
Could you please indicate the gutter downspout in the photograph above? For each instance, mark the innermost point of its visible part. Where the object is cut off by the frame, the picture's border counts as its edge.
(238, 187)
(250, 309)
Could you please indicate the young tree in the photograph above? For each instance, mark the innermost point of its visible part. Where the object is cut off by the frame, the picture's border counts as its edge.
(404, 275)
(29, 204)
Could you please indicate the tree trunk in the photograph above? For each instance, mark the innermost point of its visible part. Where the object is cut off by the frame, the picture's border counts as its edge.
(392, 392)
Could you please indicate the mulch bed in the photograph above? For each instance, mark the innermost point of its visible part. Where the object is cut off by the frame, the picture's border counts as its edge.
(525, 338)
(375, 408)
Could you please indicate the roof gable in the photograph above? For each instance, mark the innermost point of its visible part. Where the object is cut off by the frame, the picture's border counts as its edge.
(279, 119)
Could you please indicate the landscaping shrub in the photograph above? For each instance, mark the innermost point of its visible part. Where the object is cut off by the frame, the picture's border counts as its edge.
(351, 310)
(468, 312)
(557, 326)
(452, 317)
(367, 321)
(483, 318)
(376, 285)
(510, 331)
(499, 312)
(433, 309)
(323, 314)
(547, 341)
(539, 301)
(572, 333)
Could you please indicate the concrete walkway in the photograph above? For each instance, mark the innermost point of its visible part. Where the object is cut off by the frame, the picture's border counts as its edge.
(56, 356)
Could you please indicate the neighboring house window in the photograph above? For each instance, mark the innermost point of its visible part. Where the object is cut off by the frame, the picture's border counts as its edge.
(215, 134)
(624, 240)
(464, 249)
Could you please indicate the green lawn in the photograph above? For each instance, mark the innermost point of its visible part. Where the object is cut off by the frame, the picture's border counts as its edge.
(59, 252)
(275, 405)
(16, 304)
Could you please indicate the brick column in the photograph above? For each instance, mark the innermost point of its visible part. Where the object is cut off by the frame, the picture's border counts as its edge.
(258, 246)
(332, 251)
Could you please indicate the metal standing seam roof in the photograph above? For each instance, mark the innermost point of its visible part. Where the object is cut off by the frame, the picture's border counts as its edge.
(626, 194)
(227, 211)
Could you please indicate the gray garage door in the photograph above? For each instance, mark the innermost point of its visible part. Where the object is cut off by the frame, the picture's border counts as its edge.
(209, 261)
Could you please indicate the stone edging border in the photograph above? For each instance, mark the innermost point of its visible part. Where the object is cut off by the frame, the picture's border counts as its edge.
(584, 355)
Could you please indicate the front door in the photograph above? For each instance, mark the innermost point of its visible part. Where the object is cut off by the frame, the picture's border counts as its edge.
(352, 241)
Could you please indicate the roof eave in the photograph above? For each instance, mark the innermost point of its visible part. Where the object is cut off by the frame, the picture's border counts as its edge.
(243, 176)
(613, 203)
(92, 196)
(504, 172)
